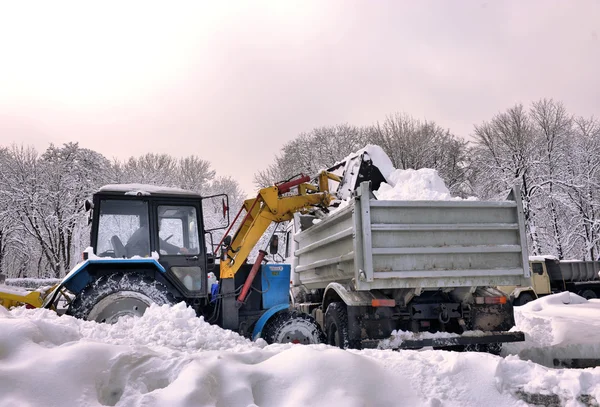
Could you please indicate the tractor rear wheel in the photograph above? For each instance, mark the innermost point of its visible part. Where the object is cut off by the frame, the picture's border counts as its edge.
(120, 294)
(292, 327)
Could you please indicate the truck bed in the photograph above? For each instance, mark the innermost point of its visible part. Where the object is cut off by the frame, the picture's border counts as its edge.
(574, 271)
(416, 244)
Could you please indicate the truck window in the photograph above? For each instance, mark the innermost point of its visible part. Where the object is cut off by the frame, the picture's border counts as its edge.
(537, 268)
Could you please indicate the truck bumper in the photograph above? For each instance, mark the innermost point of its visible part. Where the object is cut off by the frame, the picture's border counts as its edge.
(458, 340)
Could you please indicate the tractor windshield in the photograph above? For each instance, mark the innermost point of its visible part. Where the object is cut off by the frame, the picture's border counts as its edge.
(123, 229)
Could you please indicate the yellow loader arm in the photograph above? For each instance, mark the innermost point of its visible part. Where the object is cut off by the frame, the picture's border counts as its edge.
(270, 205)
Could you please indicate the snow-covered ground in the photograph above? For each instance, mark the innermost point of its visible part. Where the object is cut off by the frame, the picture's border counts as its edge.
(169, 357)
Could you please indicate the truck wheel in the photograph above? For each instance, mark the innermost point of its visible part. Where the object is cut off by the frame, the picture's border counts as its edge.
(292, 327)
(115, 295)
(523, 299)
(587, 294)
(336, 326)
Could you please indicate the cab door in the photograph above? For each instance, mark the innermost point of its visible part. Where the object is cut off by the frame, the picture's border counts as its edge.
(539, 277)
(181, 246)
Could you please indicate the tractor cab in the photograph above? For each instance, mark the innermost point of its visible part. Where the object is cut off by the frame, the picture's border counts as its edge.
(165, 224)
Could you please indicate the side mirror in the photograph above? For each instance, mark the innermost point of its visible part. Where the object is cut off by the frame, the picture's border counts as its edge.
(225, 209)
(88, 205)
(274, 245)
(215, 212)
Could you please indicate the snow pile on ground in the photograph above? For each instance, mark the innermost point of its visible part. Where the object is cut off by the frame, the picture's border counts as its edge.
(559, 326)
(160, 327)
(169, 357)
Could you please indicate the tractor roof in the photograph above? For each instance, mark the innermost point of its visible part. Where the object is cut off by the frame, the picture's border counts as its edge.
(146, 190)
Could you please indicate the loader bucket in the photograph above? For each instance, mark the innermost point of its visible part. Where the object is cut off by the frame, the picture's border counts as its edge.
(353, 172)
(15, 296)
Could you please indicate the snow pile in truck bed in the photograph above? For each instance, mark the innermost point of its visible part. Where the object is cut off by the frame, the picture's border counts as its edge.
(424, 184)
(169, 357)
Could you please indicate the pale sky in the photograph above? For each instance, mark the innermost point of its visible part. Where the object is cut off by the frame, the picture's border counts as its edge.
(232, 81)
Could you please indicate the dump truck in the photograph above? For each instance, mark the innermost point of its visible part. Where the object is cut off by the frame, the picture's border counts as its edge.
(550, 275)
(368, 269)
(424, 270)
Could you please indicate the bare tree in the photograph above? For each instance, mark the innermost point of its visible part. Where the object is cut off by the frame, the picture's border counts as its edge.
(552, 126)
(412, 144)
(505, 150)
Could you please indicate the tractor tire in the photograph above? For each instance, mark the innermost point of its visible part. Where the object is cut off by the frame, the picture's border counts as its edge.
(292, 327)
(115, 295)
(523, 299)
(336, 327)
(588, 294)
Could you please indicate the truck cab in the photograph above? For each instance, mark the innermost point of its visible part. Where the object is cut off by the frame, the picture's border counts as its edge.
(539, 283)
(551, 275)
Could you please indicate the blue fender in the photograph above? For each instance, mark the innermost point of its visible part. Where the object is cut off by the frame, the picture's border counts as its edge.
(79, 276)
(260, 324)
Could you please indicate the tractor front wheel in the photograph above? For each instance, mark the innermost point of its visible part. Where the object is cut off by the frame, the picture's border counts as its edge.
(120, 294)
(292, 327)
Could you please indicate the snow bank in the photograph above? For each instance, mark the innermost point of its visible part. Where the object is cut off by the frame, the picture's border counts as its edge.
(559, 326)
(169, 357)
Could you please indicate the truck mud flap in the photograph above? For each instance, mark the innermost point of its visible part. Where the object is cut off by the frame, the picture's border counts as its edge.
(482, 339)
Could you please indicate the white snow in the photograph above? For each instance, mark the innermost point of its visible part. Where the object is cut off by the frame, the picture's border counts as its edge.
(169, 357)
(424, 184)
(563, 325)
(543, 258)
(144, 189)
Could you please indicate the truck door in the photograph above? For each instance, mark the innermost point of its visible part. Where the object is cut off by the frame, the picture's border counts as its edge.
(539, 277)
(181, 247)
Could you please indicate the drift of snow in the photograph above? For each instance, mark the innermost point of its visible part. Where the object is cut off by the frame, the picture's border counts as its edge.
(144, 189)
(563, 326)
(169, 357)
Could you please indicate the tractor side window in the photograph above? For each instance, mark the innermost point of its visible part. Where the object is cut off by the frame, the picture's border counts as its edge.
(178, 230)
(123, 229)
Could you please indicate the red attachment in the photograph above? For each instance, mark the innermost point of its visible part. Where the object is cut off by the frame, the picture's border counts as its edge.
(248, 282)
(286, 186)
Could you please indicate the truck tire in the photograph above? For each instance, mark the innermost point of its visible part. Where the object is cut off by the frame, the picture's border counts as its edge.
(523, 299)
(292, 327)
(336, 327)
(115, 295)
(587, 294)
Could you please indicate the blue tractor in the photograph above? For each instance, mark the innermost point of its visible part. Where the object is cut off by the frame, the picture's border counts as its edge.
(151, 244)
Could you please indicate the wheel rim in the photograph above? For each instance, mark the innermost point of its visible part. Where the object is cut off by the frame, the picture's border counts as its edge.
(114, 306)
(297, 333)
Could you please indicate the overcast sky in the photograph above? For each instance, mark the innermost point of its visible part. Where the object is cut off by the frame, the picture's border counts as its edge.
(233, 81)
